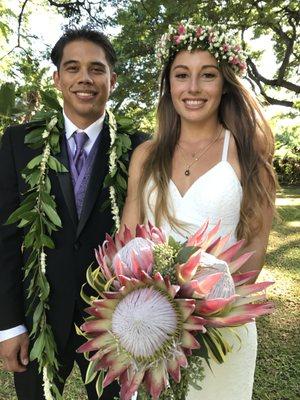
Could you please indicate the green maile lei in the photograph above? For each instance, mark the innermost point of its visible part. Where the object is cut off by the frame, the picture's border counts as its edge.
(37, 213)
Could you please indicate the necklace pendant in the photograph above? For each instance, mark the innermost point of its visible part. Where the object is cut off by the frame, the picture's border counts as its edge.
(187, 172)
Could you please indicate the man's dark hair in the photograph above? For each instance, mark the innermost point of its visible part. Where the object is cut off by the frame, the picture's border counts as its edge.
(72, 35)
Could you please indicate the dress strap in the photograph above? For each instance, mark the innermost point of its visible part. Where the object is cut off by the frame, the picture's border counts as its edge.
(225, 145)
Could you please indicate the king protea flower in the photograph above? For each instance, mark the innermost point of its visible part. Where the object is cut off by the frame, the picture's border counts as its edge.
(144, 326)
(141, 333)
(230, 302)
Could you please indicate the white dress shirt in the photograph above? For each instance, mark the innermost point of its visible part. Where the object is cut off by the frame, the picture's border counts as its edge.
(92, 132)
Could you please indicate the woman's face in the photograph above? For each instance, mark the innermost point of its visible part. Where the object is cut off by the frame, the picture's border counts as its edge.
(196, 86)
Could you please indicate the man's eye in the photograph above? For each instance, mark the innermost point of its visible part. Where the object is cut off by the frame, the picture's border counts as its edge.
(72, 68)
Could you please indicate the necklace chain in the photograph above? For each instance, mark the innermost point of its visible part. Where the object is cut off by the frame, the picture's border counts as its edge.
(198, 154)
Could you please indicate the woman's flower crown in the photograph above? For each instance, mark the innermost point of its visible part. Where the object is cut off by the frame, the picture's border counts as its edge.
(188, 36)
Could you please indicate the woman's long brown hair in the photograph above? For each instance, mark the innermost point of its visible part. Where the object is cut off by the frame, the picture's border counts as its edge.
(240, 113)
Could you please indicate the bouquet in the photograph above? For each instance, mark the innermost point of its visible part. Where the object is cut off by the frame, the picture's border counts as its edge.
(161, 304)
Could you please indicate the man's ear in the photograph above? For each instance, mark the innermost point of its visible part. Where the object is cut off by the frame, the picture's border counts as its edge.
(113, 81)
(56, 80)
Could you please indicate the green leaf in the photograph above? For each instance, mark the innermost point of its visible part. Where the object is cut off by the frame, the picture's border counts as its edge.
(37, 348)
(47, 241)
(37, 313)
(185, 253)
(7, 98)
(121, 181)
(35, 136)
(19, 212)
(48, 199)
(50, 100)
(34, 162)
(52, 214)
(99, 383)
(56, 165)
(91, 372)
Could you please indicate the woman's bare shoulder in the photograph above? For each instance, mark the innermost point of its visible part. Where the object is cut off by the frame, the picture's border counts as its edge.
(141, 153)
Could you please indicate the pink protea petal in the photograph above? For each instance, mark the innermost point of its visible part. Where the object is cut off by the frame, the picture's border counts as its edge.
(99, 312)
(106, 303)
(250, 299)
(96, 325)
(136, 268)
(185, 272)
(102, 340)
(236, 264)
(197, 237)
(228, 254)
(194, 323)
(188, 341)
(156, 380)
(216, 248)
(174, 369)
(255, 287)
(118, 265)
(172, 289)
(109, 246)
(207, 283)
(241, 315)
(241, 279)
(210, 236)
(187, 306)
(119, 365)
(141, 231)
(130, 386)
(127, 235)
(212, 306)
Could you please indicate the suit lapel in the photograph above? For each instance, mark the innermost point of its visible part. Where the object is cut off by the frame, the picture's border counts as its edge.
(65, 181)
(98, 173)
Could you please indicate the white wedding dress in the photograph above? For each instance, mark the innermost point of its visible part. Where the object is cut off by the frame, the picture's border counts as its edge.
(216, 195)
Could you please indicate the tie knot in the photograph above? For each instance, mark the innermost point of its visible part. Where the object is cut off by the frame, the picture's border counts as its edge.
(80, 139)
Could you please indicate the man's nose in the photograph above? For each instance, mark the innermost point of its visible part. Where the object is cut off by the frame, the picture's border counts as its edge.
(85, 76)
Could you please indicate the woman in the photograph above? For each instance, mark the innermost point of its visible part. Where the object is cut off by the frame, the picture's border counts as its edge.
(211, 159)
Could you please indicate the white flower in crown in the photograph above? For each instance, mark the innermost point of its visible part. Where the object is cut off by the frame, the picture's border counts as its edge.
(188, 36)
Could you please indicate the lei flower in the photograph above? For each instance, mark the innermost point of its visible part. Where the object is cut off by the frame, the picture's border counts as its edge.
(188, 36)
(38, 212)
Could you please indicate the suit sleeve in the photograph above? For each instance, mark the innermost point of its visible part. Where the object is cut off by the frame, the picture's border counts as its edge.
(11, 293)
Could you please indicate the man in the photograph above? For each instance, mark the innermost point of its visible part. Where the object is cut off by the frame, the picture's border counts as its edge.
(85, 77)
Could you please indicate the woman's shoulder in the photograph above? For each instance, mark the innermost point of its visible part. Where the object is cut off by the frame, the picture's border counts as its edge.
(141, 152)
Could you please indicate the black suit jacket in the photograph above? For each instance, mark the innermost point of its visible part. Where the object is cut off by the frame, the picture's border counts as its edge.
(74, 243)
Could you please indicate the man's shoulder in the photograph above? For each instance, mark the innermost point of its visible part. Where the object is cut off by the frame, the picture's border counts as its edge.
(17, 132)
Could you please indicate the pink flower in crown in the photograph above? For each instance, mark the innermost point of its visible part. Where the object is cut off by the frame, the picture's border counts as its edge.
(211, 38)
(177, 39)
(235, 60)
(181, 30)
(199, 31)
(237, 47)
(225, 47)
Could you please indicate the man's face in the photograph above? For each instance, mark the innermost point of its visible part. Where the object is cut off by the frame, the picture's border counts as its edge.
(85, 81)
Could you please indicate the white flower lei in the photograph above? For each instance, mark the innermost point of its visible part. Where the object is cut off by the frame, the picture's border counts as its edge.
(40, 166)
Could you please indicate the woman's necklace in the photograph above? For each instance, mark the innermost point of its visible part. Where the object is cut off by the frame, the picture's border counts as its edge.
(198, 154)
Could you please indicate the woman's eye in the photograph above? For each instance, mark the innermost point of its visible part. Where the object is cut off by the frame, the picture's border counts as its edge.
(181, 76)
(208, 76)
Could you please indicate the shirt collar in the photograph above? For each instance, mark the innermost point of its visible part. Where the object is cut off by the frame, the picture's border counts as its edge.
(92, 131)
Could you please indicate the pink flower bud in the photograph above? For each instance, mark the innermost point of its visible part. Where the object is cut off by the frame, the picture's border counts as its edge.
(181, 30)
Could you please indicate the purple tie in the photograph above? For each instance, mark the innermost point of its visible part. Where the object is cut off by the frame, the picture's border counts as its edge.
(80, 154)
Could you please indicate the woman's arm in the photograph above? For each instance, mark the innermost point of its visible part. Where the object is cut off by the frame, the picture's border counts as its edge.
(131, 211)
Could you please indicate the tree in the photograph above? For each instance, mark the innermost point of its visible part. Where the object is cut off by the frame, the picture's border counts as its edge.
(142, 22)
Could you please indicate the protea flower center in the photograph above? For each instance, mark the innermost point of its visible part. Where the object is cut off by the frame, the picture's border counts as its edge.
(145, 321)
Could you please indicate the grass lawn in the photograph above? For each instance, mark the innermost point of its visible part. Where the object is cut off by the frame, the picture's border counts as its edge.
(278, 364)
